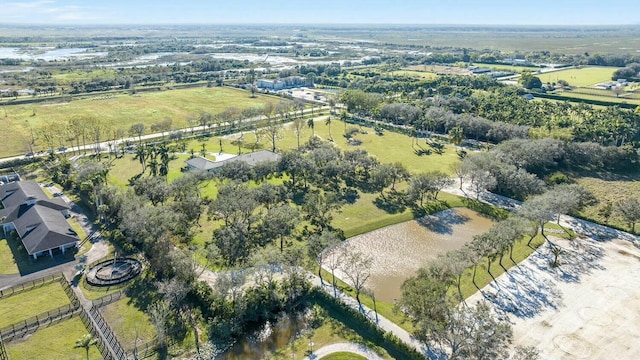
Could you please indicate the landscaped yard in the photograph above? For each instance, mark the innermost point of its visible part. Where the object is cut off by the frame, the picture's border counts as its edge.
(343, 356)
(30, 303)
(55, 342)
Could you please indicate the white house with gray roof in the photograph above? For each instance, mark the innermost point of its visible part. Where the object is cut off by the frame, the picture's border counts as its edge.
(39, 221)
(200, 163)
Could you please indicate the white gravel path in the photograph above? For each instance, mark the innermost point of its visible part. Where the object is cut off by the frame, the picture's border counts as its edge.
(343, 347)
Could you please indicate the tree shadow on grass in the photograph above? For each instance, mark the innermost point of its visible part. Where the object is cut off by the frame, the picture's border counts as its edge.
(393, 203)
(443, 222)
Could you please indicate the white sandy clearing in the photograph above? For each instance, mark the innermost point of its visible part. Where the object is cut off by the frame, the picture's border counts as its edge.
(587, 308)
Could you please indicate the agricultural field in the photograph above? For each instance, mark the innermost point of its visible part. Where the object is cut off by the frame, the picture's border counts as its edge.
(120, 112)
(46, 343)
(584, 76)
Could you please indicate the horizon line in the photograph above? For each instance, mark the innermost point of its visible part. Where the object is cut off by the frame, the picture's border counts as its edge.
(317, 24)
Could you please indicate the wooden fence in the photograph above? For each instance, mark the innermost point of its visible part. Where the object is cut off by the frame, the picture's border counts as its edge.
(3, 352)
(30, 285)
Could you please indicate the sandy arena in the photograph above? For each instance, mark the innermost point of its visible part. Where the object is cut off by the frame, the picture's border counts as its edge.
(587, 308)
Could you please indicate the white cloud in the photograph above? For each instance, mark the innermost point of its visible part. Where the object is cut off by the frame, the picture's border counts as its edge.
(45, 11)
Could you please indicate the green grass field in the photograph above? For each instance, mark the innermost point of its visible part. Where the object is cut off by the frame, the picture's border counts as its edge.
(30, 303)
(120, 112)
(128, 322)
(586, 76)
(412, 73)
(68, 76)
(48, 344)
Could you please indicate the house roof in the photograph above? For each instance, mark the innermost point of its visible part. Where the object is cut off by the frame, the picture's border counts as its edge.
(203, 164)
(37, 219)
(251, 159)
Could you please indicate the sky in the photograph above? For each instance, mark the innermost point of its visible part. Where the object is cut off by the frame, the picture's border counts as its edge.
(480, 12)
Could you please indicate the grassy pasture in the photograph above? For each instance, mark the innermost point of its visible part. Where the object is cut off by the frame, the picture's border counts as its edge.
(47, 343)
(32, 302)
(129, 323)
(120, 112)
(585, 76)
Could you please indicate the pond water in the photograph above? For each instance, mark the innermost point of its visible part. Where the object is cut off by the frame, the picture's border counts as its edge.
(399, 250)
(269, 338)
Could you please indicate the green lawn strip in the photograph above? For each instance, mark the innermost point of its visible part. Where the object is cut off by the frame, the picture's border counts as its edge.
(32, 302)
(343, 356)
(128, 322)
(8, 265)
(55, 342)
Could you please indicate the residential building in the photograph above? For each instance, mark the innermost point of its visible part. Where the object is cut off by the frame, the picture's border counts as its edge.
(40, 222)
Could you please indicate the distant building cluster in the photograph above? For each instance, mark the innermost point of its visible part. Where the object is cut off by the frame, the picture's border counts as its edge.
(612, 84)
(284, 83)
(475, 70)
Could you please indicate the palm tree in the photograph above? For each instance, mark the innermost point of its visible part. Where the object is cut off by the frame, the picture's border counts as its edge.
(456, 134)
(310, 124)
(328, 122)
(86, 342)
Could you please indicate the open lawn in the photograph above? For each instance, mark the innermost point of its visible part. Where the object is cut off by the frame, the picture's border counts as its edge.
(30, 303)
(120, 112)
(585, 76)
(129, 323)
(55, 342)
